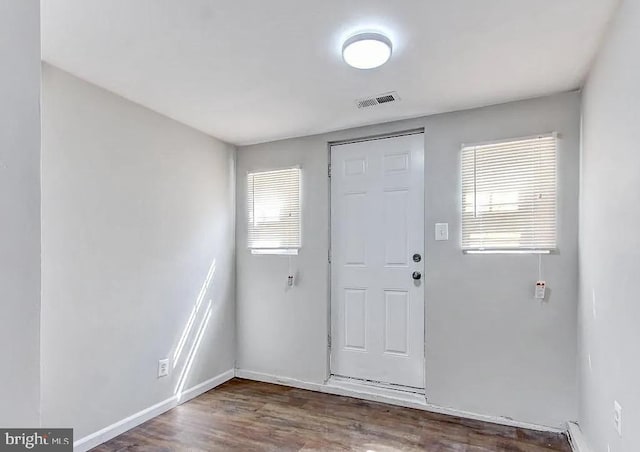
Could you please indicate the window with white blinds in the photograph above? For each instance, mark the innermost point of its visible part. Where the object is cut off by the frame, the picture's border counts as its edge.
(509, 195)
(273, 204)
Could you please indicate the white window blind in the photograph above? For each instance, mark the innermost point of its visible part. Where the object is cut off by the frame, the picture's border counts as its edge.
(509, 195)
(273, 204)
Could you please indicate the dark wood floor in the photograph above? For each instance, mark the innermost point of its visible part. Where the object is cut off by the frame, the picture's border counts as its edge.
(246, 415)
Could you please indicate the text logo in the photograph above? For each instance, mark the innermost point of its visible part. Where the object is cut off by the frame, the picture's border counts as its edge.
(36, 439)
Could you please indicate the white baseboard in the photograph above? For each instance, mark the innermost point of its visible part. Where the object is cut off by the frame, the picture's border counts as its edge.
(113, 430)
(576, 438)
(408, 400)
(500, 420)
(205, 386)
(285, 381)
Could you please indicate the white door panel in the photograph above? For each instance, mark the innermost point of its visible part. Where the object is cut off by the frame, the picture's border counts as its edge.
(377, 216)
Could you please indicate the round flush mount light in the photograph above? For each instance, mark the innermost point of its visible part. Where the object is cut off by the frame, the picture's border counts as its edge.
(366, 50)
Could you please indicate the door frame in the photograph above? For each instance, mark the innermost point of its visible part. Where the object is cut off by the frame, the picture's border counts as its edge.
(330, 144)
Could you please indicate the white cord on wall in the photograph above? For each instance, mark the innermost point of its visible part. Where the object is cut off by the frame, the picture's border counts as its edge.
(290, 275)
(539, 267)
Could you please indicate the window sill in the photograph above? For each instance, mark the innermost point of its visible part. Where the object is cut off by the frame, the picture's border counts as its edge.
(277, 252)
(508, 251)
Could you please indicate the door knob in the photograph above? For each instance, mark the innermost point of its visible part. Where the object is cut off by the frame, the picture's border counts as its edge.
(416, 275)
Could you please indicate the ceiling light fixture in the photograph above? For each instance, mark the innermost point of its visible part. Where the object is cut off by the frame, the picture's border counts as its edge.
(366, 50)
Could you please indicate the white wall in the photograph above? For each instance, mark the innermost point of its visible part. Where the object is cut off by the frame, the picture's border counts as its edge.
(491, 348)
(609, 311)
(136, 208)
(20, 213)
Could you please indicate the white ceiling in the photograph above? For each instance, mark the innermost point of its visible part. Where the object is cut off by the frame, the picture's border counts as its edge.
(248, 71)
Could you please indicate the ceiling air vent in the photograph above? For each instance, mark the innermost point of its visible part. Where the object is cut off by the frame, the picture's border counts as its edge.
(378, 100)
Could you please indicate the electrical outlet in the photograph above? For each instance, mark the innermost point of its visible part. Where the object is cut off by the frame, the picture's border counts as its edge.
(617, 417)
(163, 368)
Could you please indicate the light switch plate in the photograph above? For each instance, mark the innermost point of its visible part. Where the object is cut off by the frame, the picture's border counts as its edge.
(442, 231)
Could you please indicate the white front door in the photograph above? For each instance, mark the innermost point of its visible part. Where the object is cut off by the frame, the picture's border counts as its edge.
(377, 226)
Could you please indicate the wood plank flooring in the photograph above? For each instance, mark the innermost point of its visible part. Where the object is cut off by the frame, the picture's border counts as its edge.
(245, 415)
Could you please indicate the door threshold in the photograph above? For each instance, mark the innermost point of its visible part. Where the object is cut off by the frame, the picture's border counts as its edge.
(383, 392)
(339, 379)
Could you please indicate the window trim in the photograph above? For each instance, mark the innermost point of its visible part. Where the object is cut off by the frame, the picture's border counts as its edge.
(275, 251)
(511, 251)
(514, 251)
(280, 251)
